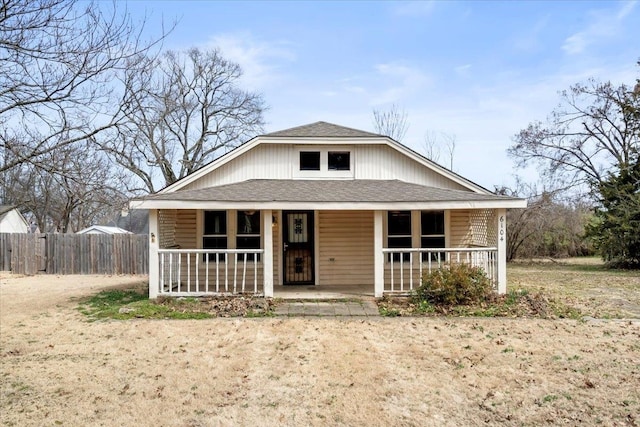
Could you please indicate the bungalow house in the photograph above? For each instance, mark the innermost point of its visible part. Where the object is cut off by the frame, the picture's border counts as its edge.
(320, 205)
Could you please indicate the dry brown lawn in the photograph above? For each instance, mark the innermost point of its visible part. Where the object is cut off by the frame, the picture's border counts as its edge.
(58, 369)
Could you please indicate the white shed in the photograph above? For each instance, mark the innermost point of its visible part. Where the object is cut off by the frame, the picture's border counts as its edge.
(12, 221)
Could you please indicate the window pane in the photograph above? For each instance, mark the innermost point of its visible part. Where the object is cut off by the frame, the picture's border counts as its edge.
(432, 242)
(248, 243)
(432, 222)
(309, 160)
(248, 222)
(214, 243)
(399, 223)
(399, 242)
(215, 222)
(339, 160)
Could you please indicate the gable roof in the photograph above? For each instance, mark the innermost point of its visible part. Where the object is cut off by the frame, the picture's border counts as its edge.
(330, 131)
(326, 194)
(321, 130)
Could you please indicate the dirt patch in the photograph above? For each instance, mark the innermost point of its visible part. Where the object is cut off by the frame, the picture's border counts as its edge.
(58, 369)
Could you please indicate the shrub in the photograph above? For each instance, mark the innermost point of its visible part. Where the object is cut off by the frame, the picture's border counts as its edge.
(455, 284)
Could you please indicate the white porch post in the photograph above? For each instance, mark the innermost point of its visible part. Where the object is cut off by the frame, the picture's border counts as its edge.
(378, 257)
(501, 226)
(154, 267)
(267, 262)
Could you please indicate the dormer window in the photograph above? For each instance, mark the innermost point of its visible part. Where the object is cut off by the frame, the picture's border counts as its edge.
(339, 161)
(309, 160)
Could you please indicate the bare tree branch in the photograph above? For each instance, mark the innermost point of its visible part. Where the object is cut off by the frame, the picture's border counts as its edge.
(391, 123)
(58, 61)
(181, 111)
(593, 132)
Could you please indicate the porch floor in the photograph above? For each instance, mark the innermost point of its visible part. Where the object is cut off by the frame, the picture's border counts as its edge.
(323, 292)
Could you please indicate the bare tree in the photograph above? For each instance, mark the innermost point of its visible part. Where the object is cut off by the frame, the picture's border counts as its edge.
(182, 110)
(78, 188)
(548, 227)
(595, 130)
(58, 59)
(434, 141)
(391, 123)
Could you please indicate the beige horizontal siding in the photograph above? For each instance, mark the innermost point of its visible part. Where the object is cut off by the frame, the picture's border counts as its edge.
(185, 234)
(346, 248)
(460, 230)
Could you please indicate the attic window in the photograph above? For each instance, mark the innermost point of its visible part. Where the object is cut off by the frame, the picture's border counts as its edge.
(309, 160)
(339, 161)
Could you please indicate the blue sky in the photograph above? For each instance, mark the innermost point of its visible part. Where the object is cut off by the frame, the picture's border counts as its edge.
(478, 70)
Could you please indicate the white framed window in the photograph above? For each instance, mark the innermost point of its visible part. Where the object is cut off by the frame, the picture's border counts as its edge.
(248, 232)
(399, 232)
(323, 162)
(432, 233)
(214, 232)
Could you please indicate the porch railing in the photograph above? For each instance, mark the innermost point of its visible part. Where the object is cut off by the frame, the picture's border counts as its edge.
(199, 272)
(404, 267)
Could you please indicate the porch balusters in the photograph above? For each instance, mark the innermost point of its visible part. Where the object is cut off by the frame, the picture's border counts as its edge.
(182, 277)
(486, 258)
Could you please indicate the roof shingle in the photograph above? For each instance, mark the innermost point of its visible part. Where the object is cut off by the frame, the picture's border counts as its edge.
(341, 191)
(322, 130)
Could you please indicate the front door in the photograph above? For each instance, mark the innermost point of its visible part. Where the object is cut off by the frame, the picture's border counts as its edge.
(298, 247)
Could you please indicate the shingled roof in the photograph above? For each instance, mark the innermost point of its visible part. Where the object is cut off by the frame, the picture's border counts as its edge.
(322, 130)
(330, 191)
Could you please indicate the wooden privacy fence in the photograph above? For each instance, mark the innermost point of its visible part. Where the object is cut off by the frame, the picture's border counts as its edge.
(74, 253)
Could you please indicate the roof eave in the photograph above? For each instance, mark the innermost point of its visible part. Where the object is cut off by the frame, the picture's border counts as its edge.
(320, 205)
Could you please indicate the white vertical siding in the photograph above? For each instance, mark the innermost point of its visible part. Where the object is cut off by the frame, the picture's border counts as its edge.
(279, 161)
(265, 161)
(346, 248)
(384, 162)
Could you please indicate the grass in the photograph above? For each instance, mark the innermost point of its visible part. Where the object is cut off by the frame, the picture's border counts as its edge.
(585, 284)
(566, 289)
(135, 304)
(130, 304)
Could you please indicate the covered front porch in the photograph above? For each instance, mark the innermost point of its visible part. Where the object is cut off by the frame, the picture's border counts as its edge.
(317, 253)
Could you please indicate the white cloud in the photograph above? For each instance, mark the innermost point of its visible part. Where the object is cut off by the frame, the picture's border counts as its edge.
(529, 39)
(463, 70)
(604, 24)
(415, 8)
(260, 60)
(404, 81)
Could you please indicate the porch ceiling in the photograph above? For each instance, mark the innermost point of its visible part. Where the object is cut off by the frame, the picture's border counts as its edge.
(325, 194)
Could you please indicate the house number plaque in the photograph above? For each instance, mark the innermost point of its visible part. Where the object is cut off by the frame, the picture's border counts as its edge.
(501, 228)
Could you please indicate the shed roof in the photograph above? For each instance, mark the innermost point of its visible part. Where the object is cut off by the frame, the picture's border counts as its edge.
(103, 229)
(6, 208)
